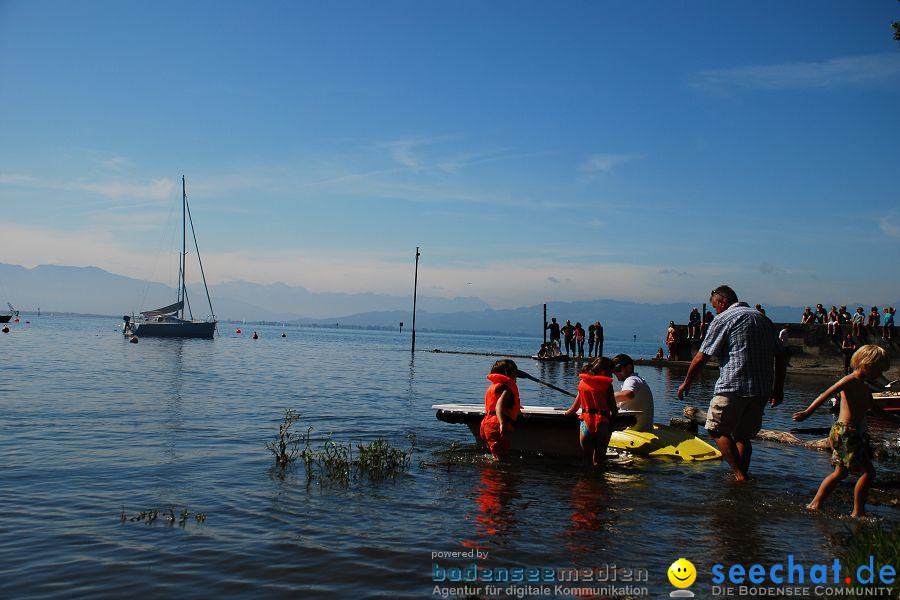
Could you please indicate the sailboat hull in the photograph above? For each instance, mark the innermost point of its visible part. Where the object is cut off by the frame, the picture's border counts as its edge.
(180, 329)
(5, 318)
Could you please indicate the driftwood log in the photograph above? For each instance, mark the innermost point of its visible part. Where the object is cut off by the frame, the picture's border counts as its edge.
(698, 415)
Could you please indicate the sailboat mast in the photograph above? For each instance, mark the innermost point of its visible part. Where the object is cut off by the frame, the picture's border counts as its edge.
(183, 243)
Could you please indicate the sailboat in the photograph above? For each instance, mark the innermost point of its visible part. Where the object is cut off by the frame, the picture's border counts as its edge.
(12, 313)
(171, 321)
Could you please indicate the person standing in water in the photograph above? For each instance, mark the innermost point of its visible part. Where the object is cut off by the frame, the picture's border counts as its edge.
(849, 443)
(598, 407)
(746, 345)
(501, 407)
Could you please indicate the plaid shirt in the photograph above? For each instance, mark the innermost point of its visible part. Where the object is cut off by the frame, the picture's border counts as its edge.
(744, 341)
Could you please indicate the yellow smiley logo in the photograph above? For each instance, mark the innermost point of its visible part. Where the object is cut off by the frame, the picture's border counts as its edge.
(682, 573)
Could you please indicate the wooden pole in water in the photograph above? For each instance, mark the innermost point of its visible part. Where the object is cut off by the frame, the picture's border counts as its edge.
(545, 322)
(415, 287)
(702, 321)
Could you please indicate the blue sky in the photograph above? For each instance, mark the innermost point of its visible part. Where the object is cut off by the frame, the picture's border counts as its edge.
(536, 151)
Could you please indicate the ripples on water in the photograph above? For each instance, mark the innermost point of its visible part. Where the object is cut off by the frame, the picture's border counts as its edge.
(92, 425)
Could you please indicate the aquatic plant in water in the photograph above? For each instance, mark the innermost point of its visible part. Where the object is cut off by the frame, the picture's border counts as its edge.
(871, 540)
(379, 460)
(335, 461)
(151, 515)
(286, 445)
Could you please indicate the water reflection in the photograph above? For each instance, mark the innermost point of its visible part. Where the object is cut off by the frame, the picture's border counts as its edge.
(410, 393)
(496, 491)
(590, 501)
(590, 514)
(173, 422)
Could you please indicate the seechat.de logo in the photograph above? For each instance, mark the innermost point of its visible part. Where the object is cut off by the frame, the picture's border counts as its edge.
(682, 574)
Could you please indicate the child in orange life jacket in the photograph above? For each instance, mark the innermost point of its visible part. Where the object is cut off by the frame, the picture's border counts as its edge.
(598, 406)
(501, 407)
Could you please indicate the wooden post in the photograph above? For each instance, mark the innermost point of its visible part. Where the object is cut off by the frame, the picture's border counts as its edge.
(545, 323)
(415, 287)
(702, 320)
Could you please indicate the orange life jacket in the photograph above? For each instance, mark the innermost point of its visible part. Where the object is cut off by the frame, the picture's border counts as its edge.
(596, 408)
(495, 390)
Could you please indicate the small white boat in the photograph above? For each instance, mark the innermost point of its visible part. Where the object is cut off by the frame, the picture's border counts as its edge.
(540, 430)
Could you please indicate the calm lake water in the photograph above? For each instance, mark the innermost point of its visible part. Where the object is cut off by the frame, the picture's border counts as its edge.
(91, 426)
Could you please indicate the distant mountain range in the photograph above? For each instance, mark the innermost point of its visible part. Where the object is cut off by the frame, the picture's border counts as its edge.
(91, 290)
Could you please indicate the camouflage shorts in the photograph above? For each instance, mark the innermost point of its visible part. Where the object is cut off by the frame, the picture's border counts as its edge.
(850, 447)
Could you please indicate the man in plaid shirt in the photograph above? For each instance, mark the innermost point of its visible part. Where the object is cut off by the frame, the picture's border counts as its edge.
(744, 341)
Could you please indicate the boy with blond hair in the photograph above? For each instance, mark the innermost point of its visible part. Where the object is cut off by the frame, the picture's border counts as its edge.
(849, 443)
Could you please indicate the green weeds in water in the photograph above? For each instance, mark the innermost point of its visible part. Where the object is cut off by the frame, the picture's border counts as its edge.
(286, 445)
(379, 460)
(336, 462)
(151, 515)
(871, 540)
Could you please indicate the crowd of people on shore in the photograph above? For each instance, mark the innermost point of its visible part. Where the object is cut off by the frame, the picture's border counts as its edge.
(574, 338)
(752, 370)
(834, 320)
(836, 317)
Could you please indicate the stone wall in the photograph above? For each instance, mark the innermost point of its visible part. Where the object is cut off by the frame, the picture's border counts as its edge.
(809, 345)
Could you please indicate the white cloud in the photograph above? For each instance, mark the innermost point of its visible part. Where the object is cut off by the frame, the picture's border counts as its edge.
(605, 163)
(847, 70)
(420, 154)
(890, 225)
(115, 163)
(410, 152)
(156, 189)
(402, 152)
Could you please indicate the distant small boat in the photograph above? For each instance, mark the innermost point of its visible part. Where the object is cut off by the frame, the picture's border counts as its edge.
(12, 313)
(889, 401)
(170, 321)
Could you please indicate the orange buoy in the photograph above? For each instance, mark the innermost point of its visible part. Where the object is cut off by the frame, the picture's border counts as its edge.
(5, 329)
(237, 331)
